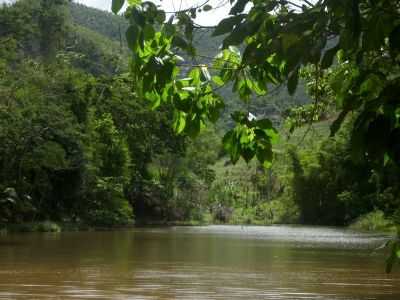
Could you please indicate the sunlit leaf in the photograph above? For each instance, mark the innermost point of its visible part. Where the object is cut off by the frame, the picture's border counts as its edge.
(218, 80)
(180, 122)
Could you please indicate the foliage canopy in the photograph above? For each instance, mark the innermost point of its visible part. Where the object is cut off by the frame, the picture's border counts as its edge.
(276, 40)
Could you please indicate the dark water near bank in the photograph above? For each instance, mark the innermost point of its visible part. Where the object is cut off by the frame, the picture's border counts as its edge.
(216, 262)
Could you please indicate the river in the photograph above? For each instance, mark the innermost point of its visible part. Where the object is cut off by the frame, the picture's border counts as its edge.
(211, 262)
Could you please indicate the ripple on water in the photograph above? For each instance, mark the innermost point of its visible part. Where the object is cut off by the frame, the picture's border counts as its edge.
(302, 235)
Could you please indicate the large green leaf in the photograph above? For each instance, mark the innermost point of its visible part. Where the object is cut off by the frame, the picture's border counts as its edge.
(238, 35)
(338, 122)
(378, 137)
(329, 55)
(180, 122)
(117, 5)
(293, 81)
(207, 7)
(218, 80)
(238, 7)
(394, 248)
(132, 37)
(394, 39)
(227, 25)
(264, 156)
(193, 126)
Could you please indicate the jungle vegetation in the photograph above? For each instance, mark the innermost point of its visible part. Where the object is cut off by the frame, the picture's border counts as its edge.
(348, 50)
(107, 120)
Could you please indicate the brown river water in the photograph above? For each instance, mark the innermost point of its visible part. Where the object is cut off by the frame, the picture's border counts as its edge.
(212, 262)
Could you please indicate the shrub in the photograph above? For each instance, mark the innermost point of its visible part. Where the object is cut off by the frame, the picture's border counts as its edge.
(373, 221)
(47, 226)
(279, 211)
(243, 216)
(120, 215)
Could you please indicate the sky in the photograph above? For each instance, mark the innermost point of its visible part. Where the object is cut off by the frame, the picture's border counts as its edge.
(221, 10)
(210, 18)
(206, 18)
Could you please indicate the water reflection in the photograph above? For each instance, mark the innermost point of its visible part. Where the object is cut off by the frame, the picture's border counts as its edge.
(215, 262)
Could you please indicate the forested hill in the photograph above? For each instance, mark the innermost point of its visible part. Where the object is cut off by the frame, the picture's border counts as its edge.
(102, 22)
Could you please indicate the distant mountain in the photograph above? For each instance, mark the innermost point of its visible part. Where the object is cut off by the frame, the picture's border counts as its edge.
(102, 22)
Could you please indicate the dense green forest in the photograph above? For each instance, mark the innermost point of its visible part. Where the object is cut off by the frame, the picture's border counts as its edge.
(77, 144)
(80, 142)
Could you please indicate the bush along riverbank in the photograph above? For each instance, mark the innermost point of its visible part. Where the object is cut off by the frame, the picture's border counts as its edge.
(374, 221)
(56, 227)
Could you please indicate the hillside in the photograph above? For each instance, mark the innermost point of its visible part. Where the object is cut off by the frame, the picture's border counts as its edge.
(95, 34)
(102, 22)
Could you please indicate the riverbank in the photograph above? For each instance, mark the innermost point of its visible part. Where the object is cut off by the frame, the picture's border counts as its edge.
(50, 226)
(45, 226)
(372, 222)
